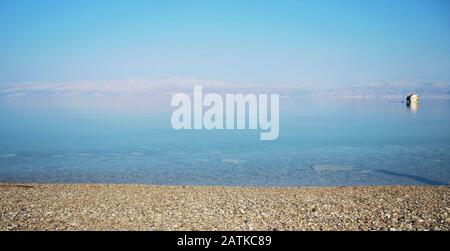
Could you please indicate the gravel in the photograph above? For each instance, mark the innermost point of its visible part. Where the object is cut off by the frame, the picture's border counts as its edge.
(146, 207)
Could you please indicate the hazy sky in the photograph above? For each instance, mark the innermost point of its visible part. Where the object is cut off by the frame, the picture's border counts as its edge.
(313, 43)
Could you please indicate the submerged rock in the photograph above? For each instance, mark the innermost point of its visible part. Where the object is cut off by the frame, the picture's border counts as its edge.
(331, 168)
(7, 155)
(233, 161)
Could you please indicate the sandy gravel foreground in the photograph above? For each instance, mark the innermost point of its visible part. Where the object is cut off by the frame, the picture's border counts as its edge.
(142, 207)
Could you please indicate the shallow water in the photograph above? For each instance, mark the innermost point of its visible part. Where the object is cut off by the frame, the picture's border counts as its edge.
(321, 143)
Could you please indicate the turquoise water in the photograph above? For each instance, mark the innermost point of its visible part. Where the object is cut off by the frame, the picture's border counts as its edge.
(321, 143)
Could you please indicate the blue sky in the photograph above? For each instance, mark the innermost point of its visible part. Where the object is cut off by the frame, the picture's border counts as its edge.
(305, 43)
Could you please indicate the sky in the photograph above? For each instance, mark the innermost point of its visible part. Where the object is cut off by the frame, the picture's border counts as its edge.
(299, 43)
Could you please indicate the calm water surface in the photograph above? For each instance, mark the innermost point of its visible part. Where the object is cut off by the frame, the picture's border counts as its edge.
(321, 143)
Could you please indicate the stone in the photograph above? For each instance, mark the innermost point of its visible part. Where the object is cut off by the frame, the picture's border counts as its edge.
(332, 168)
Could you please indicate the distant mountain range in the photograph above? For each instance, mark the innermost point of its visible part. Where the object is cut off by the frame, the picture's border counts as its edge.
(395, 89)
(139, 87)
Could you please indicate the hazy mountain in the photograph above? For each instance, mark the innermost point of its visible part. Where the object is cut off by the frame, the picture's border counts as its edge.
(395, 90)
(139, 87)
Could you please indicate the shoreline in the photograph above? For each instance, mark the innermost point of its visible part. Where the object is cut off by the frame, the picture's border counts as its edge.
(36, 206)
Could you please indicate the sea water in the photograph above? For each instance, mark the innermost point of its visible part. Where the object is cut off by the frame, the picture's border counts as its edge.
(322, 142)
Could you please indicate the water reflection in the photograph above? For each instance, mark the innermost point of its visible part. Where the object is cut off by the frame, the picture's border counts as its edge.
(413, 107)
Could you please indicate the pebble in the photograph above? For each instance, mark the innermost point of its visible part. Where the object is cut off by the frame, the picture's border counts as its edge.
(147, 207)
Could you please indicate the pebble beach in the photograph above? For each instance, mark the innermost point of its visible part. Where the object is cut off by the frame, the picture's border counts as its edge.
(148, 207)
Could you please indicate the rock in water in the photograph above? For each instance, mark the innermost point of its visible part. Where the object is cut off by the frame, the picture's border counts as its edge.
(331, 168)
(412, 99)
